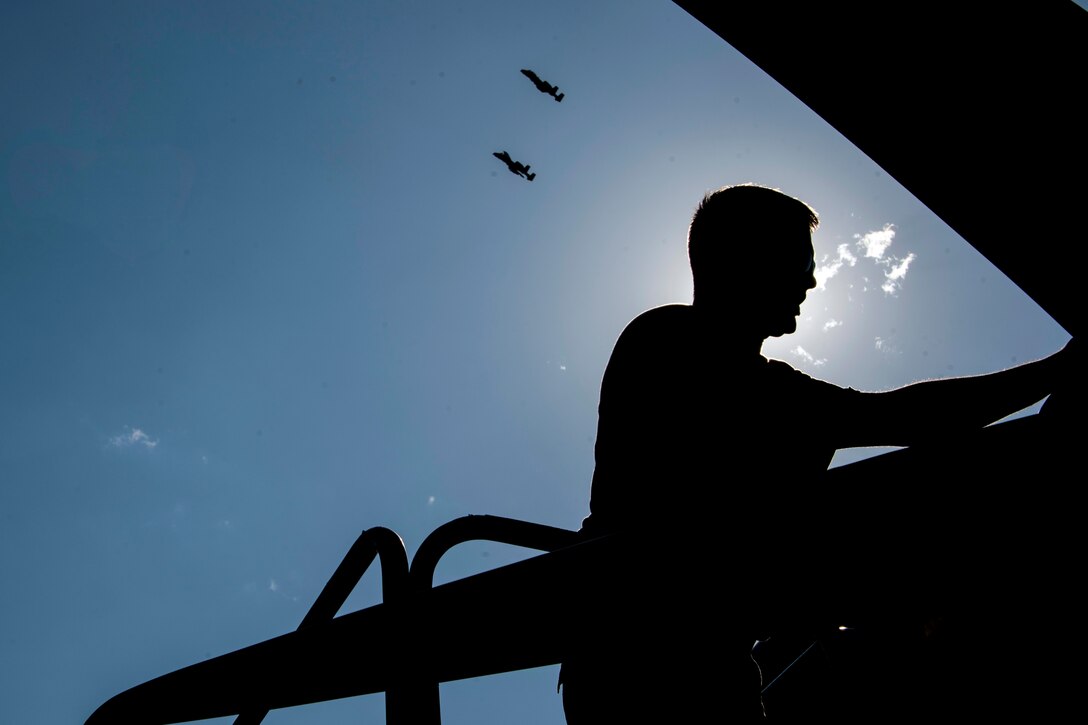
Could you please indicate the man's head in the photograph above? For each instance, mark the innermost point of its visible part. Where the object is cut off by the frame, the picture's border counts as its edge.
(751, 253)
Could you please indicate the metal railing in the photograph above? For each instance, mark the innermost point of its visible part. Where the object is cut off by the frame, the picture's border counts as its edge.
(378, 542)
(416, 701)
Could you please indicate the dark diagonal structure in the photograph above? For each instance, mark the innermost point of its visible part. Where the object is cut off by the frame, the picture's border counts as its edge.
(973, 107)
(979, 117)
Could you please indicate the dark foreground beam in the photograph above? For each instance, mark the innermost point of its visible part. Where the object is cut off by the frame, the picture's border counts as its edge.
(975, 107)
(987, 530)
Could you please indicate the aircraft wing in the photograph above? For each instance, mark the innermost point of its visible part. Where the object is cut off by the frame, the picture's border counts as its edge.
(973, 107)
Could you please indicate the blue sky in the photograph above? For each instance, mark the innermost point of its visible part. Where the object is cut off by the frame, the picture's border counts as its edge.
(263, 286)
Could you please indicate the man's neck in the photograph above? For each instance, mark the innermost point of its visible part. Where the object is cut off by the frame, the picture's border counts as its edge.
(733, 332)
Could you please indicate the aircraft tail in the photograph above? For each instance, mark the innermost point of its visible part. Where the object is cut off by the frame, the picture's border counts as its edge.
(560, 97)
(530, 177)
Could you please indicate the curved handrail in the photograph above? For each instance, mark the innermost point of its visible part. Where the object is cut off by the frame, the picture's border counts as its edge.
(484, 528)
(424, 697)
(412, 694)
(378, 542)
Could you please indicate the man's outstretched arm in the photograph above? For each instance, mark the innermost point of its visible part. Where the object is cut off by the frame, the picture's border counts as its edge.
(934, 410)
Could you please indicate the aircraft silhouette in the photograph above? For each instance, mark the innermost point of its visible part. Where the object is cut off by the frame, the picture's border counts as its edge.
(515, 167)
(542, 85)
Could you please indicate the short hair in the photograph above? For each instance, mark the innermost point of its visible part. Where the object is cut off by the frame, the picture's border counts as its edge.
(741, 223)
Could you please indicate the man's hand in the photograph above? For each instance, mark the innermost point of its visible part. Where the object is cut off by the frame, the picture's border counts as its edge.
(1067, 399)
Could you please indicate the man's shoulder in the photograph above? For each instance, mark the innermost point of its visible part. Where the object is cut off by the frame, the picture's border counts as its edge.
(665, 317)
(673, 311)
(658, 326)
(656, 337)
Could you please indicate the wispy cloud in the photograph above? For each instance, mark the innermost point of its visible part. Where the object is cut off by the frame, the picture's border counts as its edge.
(829, 266)
(894, 276)
(276, 588)
(133, 437)
(885, 346)
(874, 244)
(832, 323)
(807, 356)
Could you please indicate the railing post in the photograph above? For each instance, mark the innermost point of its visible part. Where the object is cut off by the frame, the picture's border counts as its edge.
(424, 697)
(387, 546)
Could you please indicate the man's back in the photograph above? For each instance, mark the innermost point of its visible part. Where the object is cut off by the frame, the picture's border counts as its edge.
(695, 443)
(689, 428)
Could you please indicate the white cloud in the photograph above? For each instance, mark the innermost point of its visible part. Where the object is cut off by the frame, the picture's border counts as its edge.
(828, 269)
(874, 244)
(132, 437)
(894, 276)
(900, 270)
(276, 588)
(832, 323)
(885, 346)
(846, 255)
(430, 500)
(807, 356)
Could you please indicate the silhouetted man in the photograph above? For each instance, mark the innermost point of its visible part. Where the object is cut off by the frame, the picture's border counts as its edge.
(704, 455)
